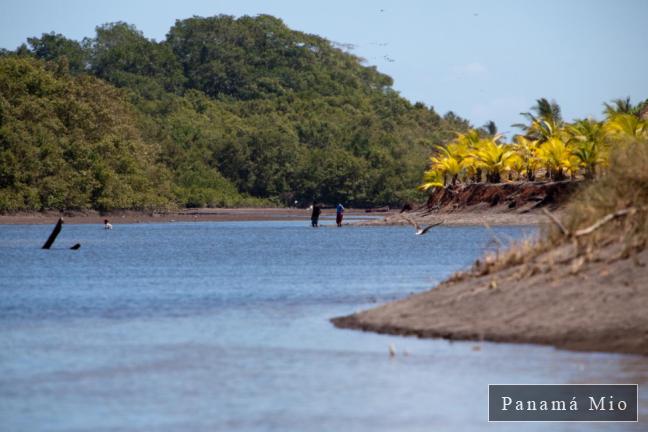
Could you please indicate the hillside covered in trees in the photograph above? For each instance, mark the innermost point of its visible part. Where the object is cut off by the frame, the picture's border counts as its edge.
(223, 112)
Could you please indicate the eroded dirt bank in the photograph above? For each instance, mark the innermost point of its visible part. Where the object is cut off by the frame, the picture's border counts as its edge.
(514, 203)
(519, 197)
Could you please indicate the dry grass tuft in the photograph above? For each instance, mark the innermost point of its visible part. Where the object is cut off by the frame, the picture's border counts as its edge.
(519, 252)
(624, 185)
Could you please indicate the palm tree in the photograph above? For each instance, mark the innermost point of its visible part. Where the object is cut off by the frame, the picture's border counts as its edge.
(587, 139)
(494, 158)
(431, 179)
(490, 128)
(468, 139)
(468, 142)
(558, 159)
(445, 164)
(527, 152)
(549, 111)
(626, 125)
(618, 106)
(545, 123)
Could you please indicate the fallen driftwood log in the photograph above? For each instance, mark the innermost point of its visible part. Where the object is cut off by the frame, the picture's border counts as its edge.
(590, 229)
(603, 221)
(54, 234)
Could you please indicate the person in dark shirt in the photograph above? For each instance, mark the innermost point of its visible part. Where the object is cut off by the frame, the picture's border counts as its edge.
(317, 210)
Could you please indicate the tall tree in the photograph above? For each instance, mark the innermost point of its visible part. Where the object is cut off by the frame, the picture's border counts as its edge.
(122, 55)
(54, 46)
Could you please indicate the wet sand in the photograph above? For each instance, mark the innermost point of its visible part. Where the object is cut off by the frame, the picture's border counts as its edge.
(475, 215)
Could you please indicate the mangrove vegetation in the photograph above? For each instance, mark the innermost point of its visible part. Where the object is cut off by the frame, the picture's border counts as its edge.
(222, 112)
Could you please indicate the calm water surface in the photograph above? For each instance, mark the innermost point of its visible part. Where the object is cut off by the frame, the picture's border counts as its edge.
(224, 326)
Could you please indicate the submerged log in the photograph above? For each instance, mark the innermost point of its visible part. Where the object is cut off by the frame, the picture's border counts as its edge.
(55, 233)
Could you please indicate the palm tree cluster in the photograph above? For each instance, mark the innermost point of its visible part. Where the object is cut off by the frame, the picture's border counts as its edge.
(548, 147)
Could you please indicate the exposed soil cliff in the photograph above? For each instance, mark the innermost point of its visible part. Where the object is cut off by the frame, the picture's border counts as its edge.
(519, 196)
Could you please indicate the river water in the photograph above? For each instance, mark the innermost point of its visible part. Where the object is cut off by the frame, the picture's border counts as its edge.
(224, 326)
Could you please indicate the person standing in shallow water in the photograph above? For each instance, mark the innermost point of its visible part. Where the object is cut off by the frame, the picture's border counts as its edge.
(339, 214)
(317, 210)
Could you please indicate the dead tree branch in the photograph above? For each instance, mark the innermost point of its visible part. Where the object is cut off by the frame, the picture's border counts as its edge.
(555, 220)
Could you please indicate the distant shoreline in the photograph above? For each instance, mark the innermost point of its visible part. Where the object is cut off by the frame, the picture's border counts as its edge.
(382, 218)
(183, 215)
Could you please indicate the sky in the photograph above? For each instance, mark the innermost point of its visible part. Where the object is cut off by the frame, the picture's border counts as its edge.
(484, 60)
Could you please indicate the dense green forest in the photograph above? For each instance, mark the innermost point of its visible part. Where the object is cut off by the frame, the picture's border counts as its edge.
(223, 112)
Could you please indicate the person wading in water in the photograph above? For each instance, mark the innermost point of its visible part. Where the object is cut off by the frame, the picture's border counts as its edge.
(339, 214)
(317, 210)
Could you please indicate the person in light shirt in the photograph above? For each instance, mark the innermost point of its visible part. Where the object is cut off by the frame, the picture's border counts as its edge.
(339, 214)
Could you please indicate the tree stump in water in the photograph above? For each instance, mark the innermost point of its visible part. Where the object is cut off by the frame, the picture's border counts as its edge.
(55, 233)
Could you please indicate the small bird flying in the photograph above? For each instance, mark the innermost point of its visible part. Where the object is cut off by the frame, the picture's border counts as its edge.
(420, 230)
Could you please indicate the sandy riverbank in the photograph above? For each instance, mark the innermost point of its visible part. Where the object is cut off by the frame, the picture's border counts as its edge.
(472, 216)
(185, 215)
(560, 298)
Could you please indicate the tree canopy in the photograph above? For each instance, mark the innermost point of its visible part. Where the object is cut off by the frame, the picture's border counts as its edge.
(222, 112)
